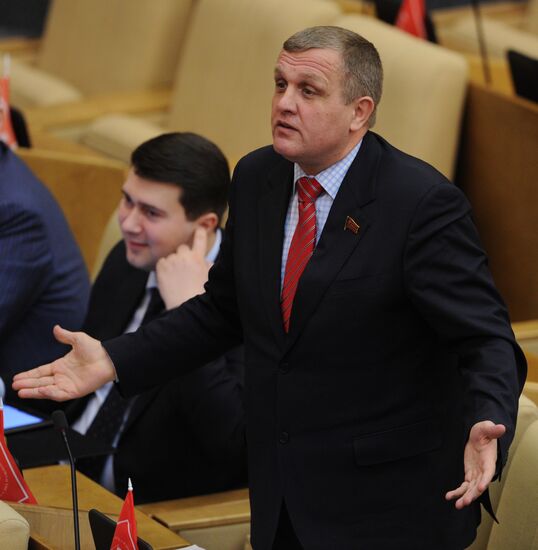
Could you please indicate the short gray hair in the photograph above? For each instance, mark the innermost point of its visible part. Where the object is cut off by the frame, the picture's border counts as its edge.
(363, 72)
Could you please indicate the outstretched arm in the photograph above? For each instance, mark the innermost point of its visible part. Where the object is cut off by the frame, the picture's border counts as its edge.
(480, 459)
(83, 370)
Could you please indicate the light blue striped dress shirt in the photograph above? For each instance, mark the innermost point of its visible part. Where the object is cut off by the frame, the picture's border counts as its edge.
(330, 179)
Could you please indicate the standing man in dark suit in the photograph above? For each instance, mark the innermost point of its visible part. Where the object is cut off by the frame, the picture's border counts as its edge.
(185, 437)
(42, 273)
(382, 375)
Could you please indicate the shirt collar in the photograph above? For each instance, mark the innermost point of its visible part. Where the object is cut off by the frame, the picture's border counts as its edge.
(331, 178)
(210, 257)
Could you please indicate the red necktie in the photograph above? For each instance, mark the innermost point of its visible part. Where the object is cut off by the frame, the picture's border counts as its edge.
(302, 244)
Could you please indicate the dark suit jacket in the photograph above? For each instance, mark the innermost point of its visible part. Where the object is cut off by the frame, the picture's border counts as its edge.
(398, 344)
(183, 438)
(43, 279)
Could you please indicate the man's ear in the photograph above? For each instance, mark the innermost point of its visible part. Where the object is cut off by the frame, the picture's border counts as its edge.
(209, 221)
(363, 108)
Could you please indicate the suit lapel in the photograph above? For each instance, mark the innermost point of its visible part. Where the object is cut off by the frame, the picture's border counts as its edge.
(337, 244)
(272, 208)
(125, 302)
(116, 295)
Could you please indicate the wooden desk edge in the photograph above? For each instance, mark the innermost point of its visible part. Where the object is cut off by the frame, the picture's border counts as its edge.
(228, 508)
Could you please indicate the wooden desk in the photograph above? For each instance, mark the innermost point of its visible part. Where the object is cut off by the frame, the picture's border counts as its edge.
(228, 508)
(51, 486)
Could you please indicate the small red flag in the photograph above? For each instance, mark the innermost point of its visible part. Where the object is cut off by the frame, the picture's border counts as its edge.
(411, 18)
(125, 537)
(7, 135)
(13, 488)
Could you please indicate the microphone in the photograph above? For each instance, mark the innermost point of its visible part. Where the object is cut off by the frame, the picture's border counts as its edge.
(60, 423)
(481, 41)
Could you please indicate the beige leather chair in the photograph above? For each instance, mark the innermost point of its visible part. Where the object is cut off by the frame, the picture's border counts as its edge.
(423, 95)
(102, 46)
(518, 488)
(14, 529)
(223, 83)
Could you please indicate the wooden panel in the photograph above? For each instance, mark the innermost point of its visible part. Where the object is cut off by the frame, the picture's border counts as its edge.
(87, 189)
(51, 487)
(53, 528)
(498, 171)
(225, 508)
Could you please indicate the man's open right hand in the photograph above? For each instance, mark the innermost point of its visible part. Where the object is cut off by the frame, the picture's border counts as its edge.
(80, 372)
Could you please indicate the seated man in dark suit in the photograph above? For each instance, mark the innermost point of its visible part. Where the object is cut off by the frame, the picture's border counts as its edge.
(42, 273)
(187, 437)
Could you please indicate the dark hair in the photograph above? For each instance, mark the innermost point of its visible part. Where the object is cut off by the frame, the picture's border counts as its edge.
(362, 70)
(193, 163)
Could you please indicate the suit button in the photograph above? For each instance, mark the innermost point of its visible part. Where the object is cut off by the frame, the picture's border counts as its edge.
(284, 437)
(284, 368)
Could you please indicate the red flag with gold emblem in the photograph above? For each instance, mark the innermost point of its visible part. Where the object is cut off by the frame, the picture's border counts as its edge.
(125, 537)
(411, 18)
(13, 488)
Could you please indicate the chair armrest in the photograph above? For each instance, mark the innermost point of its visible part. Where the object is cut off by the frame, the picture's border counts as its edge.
(83, 111)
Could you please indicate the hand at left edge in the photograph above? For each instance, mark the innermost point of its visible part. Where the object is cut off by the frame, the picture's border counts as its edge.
(480, 459)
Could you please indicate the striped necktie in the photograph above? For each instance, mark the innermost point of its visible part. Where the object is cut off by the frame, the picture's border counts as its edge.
(302, 243)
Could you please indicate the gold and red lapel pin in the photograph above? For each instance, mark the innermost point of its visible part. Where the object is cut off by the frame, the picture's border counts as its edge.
(352, 225)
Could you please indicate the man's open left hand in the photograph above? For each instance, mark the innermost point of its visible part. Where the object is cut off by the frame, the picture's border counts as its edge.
(81, 371)
(480, 459)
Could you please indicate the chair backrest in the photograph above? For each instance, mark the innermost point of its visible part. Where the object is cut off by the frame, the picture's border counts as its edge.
(224, 85)
(114, 45)
(518, 507)
(86, 188)
(14, 529)
(423, 92)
